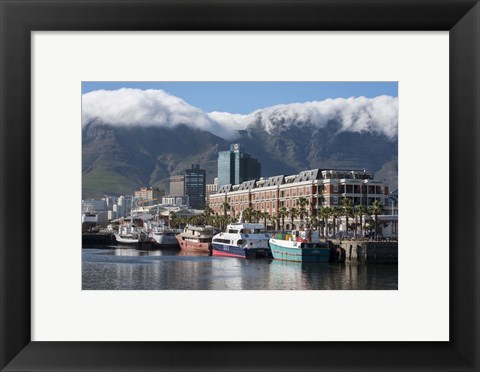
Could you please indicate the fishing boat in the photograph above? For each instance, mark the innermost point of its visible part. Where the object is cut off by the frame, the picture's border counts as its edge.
(242, 240)
(196, 238)
(130, 234)
(301, 246)
(162, 236)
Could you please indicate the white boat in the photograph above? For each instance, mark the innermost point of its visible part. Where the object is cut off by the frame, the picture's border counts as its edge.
(130, 234)
(90, 217)
(162, 235)
(89, 220)
(242, 240)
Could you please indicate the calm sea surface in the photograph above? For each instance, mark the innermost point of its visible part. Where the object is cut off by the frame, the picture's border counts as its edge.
(171, 269)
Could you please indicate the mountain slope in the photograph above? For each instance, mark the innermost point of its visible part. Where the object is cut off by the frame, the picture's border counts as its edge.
(116, 160)
(133, 138)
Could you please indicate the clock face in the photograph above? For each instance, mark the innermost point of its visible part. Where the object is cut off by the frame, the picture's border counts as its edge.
(235, 147)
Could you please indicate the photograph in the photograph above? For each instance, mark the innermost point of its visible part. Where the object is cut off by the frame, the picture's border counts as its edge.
(239, 185)
(236, 168)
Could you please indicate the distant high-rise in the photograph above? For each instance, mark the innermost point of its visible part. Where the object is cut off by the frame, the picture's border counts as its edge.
(195, 186)
(236, 166)
(177, 185)
(149, 195)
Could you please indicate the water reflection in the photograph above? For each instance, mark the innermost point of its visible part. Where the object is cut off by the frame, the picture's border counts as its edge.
(127, 268)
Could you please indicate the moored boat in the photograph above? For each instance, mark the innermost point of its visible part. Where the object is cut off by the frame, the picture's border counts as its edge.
(161, 235)
(196, 238)
(242, 240)
(130, 234)
(300, 246)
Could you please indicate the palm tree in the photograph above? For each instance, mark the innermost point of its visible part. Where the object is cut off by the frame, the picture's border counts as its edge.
(325, 213)
(264, 215)
(282, 212)
(247, 214)
(225, 206)
(274, 219)
(314, 222)
(171, 216)
(347, 210)
(293, 213)
(302, 202)
(376, 209)
(360, 212)
(335, 212)
(208, 211)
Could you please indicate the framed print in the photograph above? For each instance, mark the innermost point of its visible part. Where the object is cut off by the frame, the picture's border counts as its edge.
(219, 278)
(236, 42)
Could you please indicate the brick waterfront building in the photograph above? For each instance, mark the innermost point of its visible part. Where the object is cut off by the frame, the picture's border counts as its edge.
(319, 187)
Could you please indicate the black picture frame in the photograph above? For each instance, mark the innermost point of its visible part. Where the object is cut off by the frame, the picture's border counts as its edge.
(18, 18)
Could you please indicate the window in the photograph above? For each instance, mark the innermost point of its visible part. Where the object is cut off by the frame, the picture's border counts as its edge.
(335, 188)
(335, 200)
(218, 240)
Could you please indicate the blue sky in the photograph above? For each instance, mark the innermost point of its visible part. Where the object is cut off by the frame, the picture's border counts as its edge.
(245, 97)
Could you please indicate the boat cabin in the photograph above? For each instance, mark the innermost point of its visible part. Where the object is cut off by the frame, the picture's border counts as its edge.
(306, 236)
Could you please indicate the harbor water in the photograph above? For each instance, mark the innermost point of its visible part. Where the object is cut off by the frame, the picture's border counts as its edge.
(131, 269)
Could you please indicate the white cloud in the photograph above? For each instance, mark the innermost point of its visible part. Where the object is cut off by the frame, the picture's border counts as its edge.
(126, 107)
(136, 107)
(355, 114)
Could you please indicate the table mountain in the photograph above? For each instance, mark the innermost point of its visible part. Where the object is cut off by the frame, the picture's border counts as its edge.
(121, 152)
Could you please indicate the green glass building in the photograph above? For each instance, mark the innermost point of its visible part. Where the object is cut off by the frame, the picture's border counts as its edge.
(236, 166)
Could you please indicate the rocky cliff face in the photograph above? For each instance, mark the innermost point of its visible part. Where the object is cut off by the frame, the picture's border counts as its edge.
(117, 160)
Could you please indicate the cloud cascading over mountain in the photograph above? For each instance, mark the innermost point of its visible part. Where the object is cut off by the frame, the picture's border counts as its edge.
(133, 138)
(146, 108)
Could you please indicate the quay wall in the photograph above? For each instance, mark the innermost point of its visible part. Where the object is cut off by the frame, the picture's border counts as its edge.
(94, 240)
(357, 251)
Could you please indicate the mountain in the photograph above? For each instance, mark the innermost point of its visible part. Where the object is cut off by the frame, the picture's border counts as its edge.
(117, 160)
(301, 147)
(142, 141)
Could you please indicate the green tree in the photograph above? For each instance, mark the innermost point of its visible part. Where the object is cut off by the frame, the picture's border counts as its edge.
(282, 213)
(226, 207)
(302, 202)
(325, 213)
(293, 213)
(265, 216)
(216, 221)
(335, 213)
(376, 209)
(208, 212)
(361, 211)
(275, 221)
(314, 222)
(247, 214)
(347, 211)
(256, 215)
